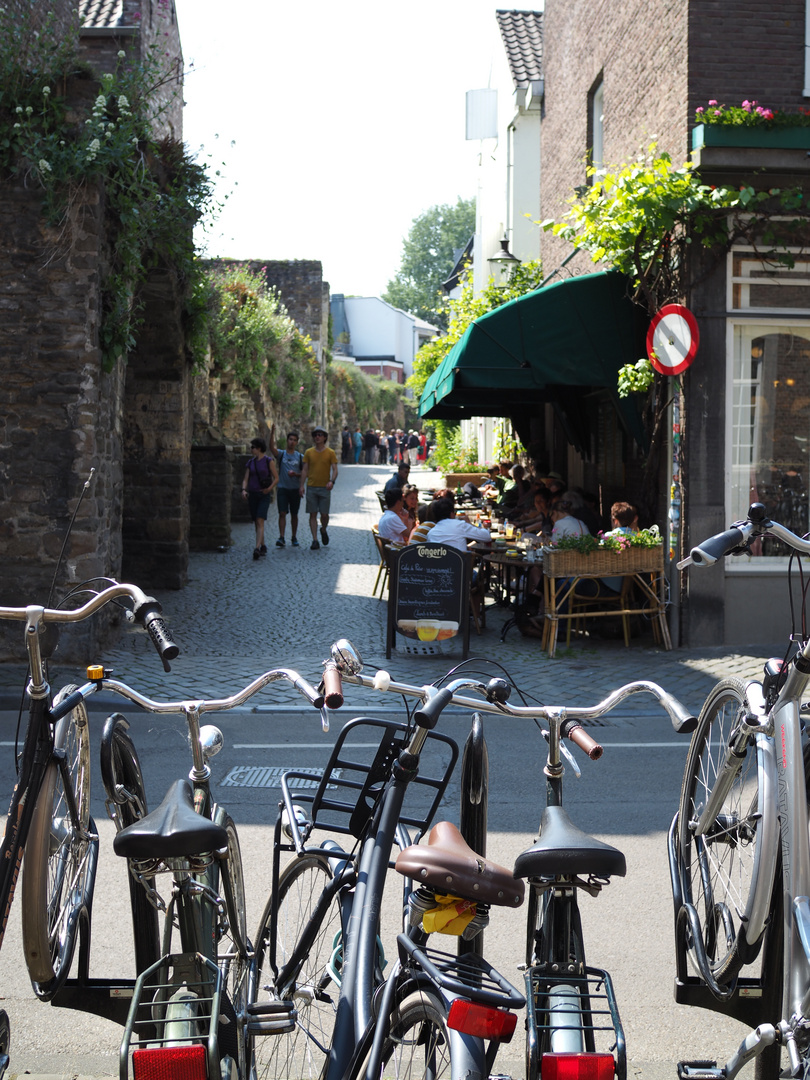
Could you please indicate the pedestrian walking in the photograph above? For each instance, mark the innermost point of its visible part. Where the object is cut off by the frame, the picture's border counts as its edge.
(370, 443)
(290, 465)
(318, 477)
(393, 448)
(413, 449)
(382, 448)
(357, 441)
(261, 476)
(346, 446)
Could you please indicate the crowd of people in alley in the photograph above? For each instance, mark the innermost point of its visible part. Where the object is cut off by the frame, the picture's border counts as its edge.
(377, 447)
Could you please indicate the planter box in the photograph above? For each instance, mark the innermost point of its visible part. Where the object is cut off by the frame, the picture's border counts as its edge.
(457, 480)
(633, 560)
(793, 138)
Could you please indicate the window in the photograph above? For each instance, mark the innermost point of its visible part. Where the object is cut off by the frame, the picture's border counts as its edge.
(757, 285)
(596, 137)
(770, 423)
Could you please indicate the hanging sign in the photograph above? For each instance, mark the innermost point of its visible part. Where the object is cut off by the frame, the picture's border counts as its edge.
(673, 339)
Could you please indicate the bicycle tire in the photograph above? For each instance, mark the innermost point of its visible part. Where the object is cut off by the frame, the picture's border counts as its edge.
(721, 870)
(233, 964)
(122, 776)
(417, 1046)
(55, 865)
(300, 1053)
(5, 1042)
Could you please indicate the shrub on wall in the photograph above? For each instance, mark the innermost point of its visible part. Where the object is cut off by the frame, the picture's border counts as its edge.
(371, 396)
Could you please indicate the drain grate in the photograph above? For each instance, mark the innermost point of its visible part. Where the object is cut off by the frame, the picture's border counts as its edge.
(269, 776)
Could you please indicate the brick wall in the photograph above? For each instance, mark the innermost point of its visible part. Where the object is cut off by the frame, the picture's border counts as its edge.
(639, 49)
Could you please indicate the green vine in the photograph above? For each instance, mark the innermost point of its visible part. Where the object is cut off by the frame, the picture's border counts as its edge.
(54, 134)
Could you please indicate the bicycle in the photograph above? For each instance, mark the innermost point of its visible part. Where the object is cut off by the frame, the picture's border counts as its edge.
(739, 850)
(49, 817)
(451, 1013)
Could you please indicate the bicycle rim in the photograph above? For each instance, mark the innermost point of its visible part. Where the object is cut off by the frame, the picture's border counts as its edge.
(302, 1052)
(55, 878)
(721, 868)
(232, 963)
(418, 1045)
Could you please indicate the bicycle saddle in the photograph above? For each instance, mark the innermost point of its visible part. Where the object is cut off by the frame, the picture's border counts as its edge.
(449, 865)
(565, 849)
(172, 830)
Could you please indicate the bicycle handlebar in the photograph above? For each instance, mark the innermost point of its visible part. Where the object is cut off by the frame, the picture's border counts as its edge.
(434, 700)
(737, 539)
(146, 610)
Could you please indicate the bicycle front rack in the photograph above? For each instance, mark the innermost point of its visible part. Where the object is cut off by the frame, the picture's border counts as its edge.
(585, 1002)
(176, 1003)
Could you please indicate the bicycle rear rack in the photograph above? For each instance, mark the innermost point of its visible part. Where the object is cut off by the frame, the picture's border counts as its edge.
(469, 976)
(176, 1002)
(589, 1007)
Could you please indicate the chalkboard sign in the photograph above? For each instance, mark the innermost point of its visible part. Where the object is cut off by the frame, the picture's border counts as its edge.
(429, 594)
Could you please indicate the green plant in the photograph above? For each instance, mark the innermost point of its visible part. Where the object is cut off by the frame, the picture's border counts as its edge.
(750, 114)
(586, 544)
(636, 378)
(51, 135)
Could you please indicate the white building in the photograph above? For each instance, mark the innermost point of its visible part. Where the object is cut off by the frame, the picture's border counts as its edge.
(379, 338)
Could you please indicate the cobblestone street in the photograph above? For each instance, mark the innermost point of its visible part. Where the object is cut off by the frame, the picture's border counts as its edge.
(238, 617)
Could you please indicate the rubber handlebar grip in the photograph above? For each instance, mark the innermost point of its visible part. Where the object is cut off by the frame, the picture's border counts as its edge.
(577, 734)
(709, 551)
(332, 687)
(427, 715)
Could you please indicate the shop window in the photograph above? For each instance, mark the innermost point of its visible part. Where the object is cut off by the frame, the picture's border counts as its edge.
(760, 285)
(770, 423)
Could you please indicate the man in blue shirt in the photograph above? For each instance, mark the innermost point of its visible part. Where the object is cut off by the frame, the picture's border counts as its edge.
(290, 462)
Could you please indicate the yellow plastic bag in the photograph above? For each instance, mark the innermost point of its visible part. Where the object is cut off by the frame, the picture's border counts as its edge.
(451, 916)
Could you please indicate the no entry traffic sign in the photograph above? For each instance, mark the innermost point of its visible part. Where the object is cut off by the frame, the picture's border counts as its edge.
(673, 339)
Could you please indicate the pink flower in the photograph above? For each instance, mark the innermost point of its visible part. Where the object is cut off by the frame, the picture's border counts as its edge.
(766, 114)
(747, 106)
(717, 112)
(699, 110)
(712, 102)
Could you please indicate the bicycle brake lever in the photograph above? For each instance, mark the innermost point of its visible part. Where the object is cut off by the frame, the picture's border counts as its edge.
(566, 753)
(324, 718)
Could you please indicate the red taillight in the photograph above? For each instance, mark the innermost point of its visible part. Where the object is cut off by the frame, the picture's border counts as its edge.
(170, 1063)
(577, 1067)
(481, 1020)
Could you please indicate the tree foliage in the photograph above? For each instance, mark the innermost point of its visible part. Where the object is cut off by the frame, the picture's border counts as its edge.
(428, 257)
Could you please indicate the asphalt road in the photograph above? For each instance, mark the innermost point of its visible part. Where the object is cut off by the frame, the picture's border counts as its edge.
(627, 799)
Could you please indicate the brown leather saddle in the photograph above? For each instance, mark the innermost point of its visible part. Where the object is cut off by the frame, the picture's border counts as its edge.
(448, 865)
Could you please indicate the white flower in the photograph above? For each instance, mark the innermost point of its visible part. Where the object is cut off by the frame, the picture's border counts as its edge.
(28, 110)
(44, 166)
(121, 54)
(94, 146)
(101, 102)
(19, 109)
(17, 127)
(135, 142)
(123, 101)
(46, 90)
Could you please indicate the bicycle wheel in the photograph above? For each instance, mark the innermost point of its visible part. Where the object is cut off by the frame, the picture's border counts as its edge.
(123, 783)
(721, 868)
(418, 1044)
(55, 877)
(300, 1053)
(233, 1040)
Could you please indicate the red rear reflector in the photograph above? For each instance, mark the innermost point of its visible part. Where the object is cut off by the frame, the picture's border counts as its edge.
(170, 1063)
(481, 1020)
(577, 1067)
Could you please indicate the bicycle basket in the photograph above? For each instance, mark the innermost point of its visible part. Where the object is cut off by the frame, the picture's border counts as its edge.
(359, 766)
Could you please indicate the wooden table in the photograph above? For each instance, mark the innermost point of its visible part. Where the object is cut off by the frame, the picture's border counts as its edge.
(642, 592)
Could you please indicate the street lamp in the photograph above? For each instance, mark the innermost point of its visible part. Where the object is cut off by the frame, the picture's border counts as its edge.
(502, 264)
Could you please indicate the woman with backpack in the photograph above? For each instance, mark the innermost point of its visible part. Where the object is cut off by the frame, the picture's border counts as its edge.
(261, 476)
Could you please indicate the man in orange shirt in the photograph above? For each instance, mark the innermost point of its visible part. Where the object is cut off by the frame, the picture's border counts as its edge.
(318, 476)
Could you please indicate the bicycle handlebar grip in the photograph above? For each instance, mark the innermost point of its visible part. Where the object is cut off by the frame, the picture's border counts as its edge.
(709, 551)
(149, 614)
(577, 734)
(332, 686)
(427, 715)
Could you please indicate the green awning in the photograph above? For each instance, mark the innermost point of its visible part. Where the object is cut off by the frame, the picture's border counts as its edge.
(576, 333)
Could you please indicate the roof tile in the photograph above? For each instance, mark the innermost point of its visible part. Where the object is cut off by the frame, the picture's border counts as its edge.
(522, 33)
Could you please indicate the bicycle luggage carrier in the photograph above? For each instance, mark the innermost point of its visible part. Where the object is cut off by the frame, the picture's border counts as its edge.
(469, 976)
(177, 1003)
(588, 1006)
(355, 775)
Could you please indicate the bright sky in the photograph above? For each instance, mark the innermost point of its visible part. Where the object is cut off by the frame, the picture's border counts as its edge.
(347, 121)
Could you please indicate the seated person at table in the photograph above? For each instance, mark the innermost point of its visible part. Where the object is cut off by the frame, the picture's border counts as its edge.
(623, 519)
(425, 522)
(410, 501)
(394, 524)
(539, 520)
(491, 488)
(400, 477)
(454, 531)
(514, 488)
(565, 523)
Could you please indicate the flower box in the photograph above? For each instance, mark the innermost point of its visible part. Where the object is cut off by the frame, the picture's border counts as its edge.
(603, 562)
(457, 480)
(786, 138)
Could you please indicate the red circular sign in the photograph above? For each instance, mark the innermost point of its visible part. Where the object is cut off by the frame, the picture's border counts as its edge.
(673, 339)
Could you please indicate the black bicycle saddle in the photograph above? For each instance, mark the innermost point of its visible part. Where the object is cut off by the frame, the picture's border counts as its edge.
(564, 849)
(172, 830)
